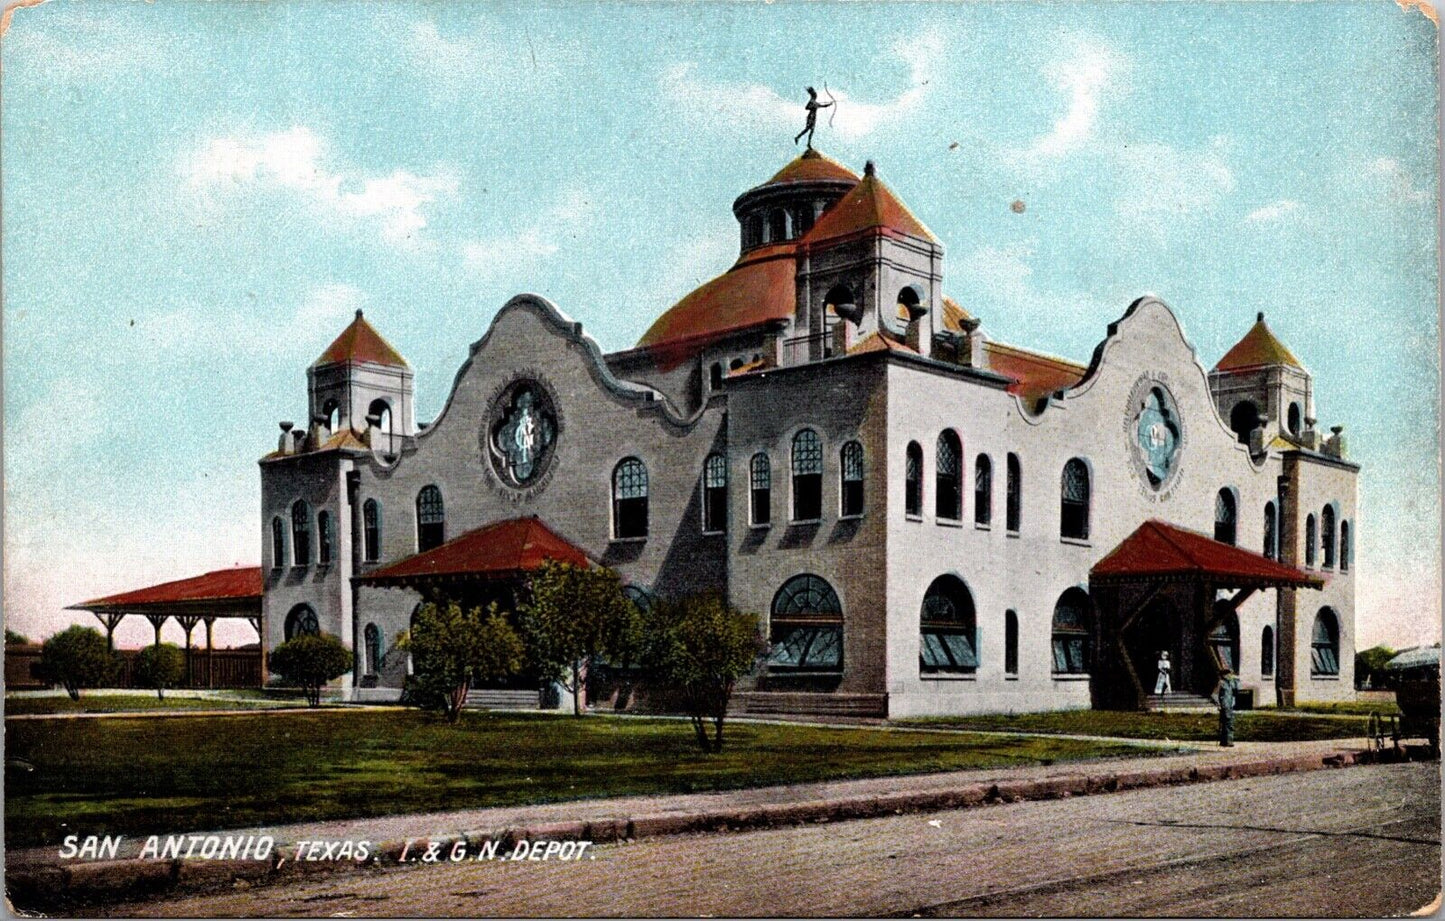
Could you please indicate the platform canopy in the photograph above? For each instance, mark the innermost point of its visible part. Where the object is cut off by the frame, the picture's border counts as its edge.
(500, 551)
(224, 593)
(1160, 551)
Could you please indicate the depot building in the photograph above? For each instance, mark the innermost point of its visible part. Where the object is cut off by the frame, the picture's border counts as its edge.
(926, 519)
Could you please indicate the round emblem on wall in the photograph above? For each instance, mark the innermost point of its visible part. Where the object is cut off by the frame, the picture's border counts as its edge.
(1156, 432)
(523, 432)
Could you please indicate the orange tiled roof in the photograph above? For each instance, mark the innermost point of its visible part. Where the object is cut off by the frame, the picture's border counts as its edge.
(1159, 549)
(221, 585)
(761, 286)
(1259, 347)
(811, 166)
(360, 343)
(871, 205)
(501, 549)
(877, 342)
(1035, 374)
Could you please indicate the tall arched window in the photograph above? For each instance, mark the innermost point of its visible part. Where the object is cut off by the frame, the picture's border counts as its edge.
(325, 537)
(714, 493)
(302, 621)
(1224, 640)
(1271, 532)
(1327, 535)
(431, 519)
(300, 533)
(983, 490)
(1293, 418)
(1310, 539)
(949, 633)
(378, 414)
(1014, 496)
(1243, 419)
(777, 225)
(807, 476)
(629, 499)
(278, 543)
(1010, 643)
(715, 375)
(1226, 516)
(760, 476)
(1325, 644)
(948, 478)
(372, 642)
(332, 411)
(1266, 652)
(851, 480)
(913, 481)
(1074, 501)
(803, 220)
(370, 531)
(1344, 546)
(1072, 631)
(806, 627)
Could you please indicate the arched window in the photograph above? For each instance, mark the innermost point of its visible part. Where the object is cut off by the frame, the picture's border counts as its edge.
(735, 364)
(841, 300)
(807, 476)
(913, 481)
(378, 415)
(300, 533)
(431, 519)
(1327, 535)
(803, 220)
(1310, 540)
(1224, 640)
(714, 493)
(1243, 419)
(1010, 643)
(983, 490)
(851, 480)
(1325, 644)
(640, 597)
(1074, 500)
(629, 499)
(715, 375)
(1226, 516)
(1266, 652)
(1014, 496)
(908, 300)
(777, 225)
(754, 228)
(325, 538)
(332, 412)
(806, 627)
(278, 543)
(302, 621)
(1073, 625)
(948, 479)
(760, 476)
(1294, 418)
(1344, 546)
(1271, 532)
(949, 631)
(372, 642)
(370, 531)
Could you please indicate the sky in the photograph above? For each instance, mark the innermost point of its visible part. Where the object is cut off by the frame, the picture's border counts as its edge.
(197, 197)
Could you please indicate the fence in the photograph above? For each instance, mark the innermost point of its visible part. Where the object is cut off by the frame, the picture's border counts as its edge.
(221, 668)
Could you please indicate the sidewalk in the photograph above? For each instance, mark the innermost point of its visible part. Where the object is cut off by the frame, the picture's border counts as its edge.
(37, 876)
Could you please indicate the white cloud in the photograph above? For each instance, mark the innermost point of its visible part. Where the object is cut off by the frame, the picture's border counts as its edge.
(1000, 279)
(1082, 76)
(1403, 187)
(729, 106)
(1162, 183)
(297, 161)
(525, 247)
(1273, 211)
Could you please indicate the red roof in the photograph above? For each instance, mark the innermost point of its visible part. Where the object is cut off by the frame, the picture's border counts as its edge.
(1034, 374)
(1160, 549)
(360, 343)
(222, 585)
(870, 206)
(811, 166)
(500, 549)
(1258, 348)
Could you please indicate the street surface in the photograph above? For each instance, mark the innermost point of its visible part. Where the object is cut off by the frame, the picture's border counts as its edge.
(1361, 841)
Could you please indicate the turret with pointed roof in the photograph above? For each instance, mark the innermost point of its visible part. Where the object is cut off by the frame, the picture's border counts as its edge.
(359, 387)
(1263, 391)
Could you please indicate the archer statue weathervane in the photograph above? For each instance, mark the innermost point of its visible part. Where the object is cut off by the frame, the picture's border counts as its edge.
(813, 106)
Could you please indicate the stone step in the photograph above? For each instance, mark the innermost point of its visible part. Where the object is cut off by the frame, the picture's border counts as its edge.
(503, 699)
(803, 703)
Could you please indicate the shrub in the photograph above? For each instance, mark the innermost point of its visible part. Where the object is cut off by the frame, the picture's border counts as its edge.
(77, 657)
(310, 661)
(159, 667)
(577, 615)
(698, 648)
(15, 639)
(452, 649)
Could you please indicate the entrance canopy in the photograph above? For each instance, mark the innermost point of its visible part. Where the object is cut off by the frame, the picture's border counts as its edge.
(1159, 551)
(224, 593)
(500, 551)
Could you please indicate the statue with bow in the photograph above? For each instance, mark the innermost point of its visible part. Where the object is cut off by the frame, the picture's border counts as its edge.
(813, 106)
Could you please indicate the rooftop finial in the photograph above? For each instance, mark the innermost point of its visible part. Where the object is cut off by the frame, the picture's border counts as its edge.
(869, 169)
(1259, 317)
(813, 105)
(358, 313)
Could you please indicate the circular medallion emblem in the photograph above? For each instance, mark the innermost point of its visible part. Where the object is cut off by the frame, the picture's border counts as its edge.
(1157, 434)
(523, 431)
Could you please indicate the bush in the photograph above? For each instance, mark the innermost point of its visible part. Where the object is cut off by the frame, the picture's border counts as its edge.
(576, 616)
(310, 661)
(77, 657)
(452, 649)
(15, 639)
(698, 648)
(159, 667)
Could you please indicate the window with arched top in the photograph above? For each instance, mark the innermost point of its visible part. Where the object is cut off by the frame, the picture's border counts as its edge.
(1271, 532)
(753, 230)
(640, 597)
(1072, 632)
(1344, 546)
(278, 543)
(715, 375)
(1311, 538)
(909, 299)
(629, 499)
(807, 476)
(760, 483)
(948, 477)
(1014, 495)
(1266, 652)
(372, 644)
(1010, 643)
(1224, 640)
(842, 302)
(850, 475)
(1226, 516)
(332, 412)
(378, 415)
(301, 621)
(1327, 535)
(370, 531)
(948, 628)
(1243, 419)
(803, 220)
(777, 225)
(913, 481)
(300, 533)
(1325, 643)
(325, 537)
(431, 519)
(983, 490)
(714, 493)
(805, 629)
(1074, 499)
(1293, 418)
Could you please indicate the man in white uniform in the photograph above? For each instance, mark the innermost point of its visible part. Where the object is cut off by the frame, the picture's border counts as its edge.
(1161, 685)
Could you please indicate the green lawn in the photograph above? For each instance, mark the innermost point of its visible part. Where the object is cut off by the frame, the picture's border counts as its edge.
(141, 776)
(1352, 708)
(1250, 726)
(129, 703)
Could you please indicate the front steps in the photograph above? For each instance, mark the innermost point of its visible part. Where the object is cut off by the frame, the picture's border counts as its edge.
(500, 699)
(805, 703)
(1178, 700)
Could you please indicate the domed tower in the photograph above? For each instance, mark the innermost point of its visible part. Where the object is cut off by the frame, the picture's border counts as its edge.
(362, 384)
(789, 204)
(1260, 385)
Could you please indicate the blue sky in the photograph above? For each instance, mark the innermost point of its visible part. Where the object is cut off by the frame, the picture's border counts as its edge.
(198, 195)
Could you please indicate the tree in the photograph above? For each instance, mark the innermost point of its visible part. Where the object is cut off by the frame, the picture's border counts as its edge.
(577, 615)
(310, 661)
(1370, 663)
(699, 647)
(159, 667)
(454, 648)
(77, 657)
(15, 639)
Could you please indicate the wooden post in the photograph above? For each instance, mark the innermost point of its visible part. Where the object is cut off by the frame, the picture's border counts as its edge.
(158, 621)
(210, 651)
(261, 637)
(110, 620)
(188, 623)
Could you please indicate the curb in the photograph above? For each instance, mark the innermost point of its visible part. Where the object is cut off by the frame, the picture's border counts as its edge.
(62, 886)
